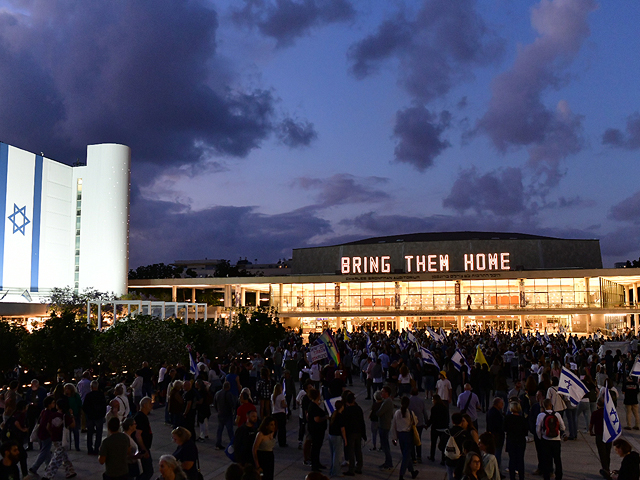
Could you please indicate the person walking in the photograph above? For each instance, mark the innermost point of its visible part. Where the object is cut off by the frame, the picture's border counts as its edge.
(225, 403)
(401, 431)
(549, 427)
(337, 439)
(495, 425)
(596, 429)
(55, 425)
(115, 452)
(279, 409)
(44, 437)
(419, 408)
(469, 403)
(317, 424)
(516, 429)
(95, 409)
(144, 437)
(385, 417)
(630, 390)
(263, 448)
(439, 423)
(244, 438)
(356, 431)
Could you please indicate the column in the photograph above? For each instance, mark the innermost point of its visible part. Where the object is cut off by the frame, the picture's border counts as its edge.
(164, 311)
(227, 296)
(243, 292)
(215, 315)
(99, 316)
(635, 294)
(588, 323)
(626, 295)
(521, 322)
(258, 298)
(193, 295)
(459, 322)
(174, 293)
(195, 315)
(205, 312)
(115, 314)
(587, 293)
(88, 313)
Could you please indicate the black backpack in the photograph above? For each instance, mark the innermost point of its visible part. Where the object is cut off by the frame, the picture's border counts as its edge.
(551, 425)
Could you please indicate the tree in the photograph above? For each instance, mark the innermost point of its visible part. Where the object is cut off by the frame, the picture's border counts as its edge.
(157, 270)
(259, 327)
(10, 337)
(225, 269)
(142, 338)
(63, 301)
(62, 343)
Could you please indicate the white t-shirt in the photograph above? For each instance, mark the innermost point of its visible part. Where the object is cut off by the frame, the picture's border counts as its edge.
(442, 388)
(161, 374)
(276, 405)
(404, 379)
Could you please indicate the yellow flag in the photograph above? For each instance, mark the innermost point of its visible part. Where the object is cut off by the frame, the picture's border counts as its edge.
(480, 357)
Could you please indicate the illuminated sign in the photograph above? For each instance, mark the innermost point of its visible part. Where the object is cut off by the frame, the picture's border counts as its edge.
(477, 262)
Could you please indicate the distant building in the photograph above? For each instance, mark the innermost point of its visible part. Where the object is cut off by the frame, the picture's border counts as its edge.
(64, 226)
(207, 267)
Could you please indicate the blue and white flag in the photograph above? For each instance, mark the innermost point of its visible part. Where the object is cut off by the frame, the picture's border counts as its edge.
(369, 344)
(539, 338)
(635, 370)
(428, 357)
(459, 360)
(411, 337)
(193, 367)
(443, 335)
(330, 404)
(571, 386)
(436, 336)
(546, 336)
(401, 344)
(612, 428)
(574, 349)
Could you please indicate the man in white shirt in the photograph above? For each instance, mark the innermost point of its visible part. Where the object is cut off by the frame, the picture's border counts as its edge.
(549, 432)
(443, 388)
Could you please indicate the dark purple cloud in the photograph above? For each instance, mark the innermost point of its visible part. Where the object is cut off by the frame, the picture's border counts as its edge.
(287, 20)
(499, 192)
(631, 140)
(296, 134)
(341, 189)
(418, 132)
(142, 73)
(437, 48)
(217, 232)
(621, 242)
(517, 115)
(628, 210)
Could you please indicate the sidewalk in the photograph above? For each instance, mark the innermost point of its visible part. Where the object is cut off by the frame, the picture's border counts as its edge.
(580, 458)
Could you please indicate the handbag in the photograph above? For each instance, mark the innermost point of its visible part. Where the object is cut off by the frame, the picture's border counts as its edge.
(33, 438)
(414, 431)
(66, 439)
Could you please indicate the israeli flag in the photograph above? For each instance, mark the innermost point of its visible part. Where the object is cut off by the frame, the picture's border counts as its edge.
(546, 335)
(574, 350)
(571, 386)
(401, 344)
(411, 337)
(612, 428)
(193, 368)
(330, 404)
(635, 371)
(428, 357)
(436, 336)
(458, 360)
(539, 338)
(369, 344)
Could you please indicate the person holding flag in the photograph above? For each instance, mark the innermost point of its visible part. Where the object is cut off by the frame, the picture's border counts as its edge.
(612, 428)
(596, 429)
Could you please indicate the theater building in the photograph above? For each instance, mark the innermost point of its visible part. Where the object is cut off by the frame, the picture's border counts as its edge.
(458, 279)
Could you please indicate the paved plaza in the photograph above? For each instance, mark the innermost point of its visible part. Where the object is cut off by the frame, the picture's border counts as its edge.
(580, 459)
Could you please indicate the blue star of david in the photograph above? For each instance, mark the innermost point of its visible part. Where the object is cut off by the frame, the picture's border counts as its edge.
(568, 382)
(25, 221)
(614, 414)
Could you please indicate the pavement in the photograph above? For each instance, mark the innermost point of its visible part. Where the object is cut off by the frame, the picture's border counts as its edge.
(579, 457)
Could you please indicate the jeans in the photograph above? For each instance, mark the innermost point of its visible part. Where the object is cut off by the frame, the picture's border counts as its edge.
(374, 433)
(44, 455)
(147, 469)
(572, 421)
(516, 461)
(317, 437)
(94, 427)
(551, 455)
(405, 439)
(223, 422)
(335, 450)
(632, 410)
(281, 422)
(435, 435)
(584, 410)
(354, 452)
(604, 451)
(499, 448)
(75, 432)
(386, 448)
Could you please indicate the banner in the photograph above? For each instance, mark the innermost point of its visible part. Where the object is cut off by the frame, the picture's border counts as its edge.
(318, 352)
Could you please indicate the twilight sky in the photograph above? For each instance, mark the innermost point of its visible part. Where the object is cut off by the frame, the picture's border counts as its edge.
(258, 126)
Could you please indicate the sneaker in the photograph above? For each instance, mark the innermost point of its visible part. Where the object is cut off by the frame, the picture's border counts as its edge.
(307, 463)
(345, 464)
(414, 474)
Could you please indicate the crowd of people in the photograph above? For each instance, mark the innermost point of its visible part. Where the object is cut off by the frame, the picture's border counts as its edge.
(257, 398)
